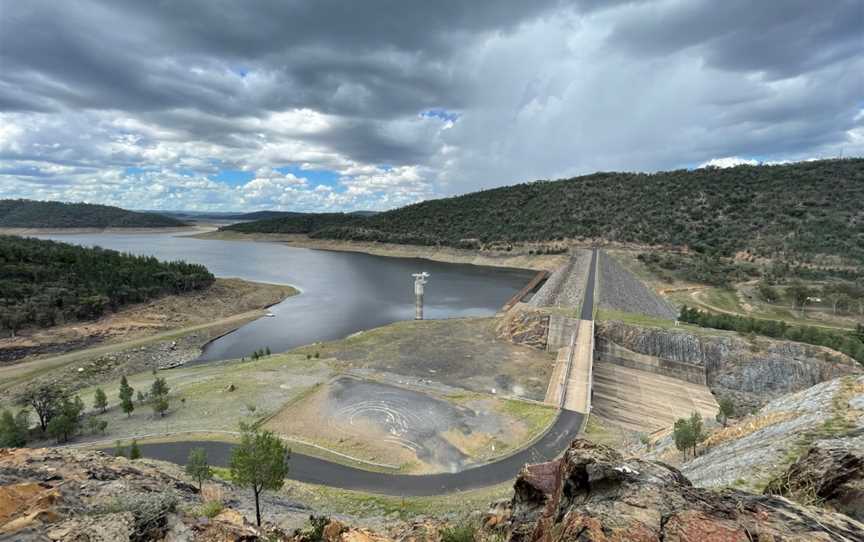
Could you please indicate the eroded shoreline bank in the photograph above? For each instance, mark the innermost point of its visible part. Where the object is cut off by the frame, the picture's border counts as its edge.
(539, 262)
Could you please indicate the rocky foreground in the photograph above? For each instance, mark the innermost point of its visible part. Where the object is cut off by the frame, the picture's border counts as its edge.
(591, 493)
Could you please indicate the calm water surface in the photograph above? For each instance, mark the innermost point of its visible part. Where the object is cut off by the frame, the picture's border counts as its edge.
(342, 292)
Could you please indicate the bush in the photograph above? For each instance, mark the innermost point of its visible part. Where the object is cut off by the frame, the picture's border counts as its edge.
(14, 429)
(210, 509)
(463, 532)
(150, 511)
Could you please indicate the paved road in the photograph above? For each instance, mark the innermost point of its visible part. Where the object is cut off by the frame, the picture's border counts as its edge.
(313, 470)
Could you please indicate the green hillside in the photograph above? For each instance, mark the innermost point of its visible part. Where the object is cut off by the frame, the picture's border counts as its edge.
(22, 213)
(295, 223)
(798, 210)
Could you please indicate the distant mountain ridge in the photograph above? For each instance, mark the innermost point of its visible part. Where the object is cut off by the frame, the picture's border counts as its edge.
(802, 209)
(23, 213)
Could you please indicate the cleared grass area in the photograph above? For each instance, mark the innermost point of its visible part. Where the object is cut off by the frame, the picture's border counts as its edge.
(659, 323)
(536, 417)
(212, 397)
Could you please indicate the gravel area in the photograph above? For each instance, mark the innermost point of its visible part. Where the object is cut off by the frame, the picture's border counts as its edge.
(620, 290)
(566, 286)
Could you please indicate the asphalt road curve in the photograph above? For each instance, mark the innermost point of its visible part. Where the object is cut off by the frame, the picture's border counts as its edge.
(313, 470)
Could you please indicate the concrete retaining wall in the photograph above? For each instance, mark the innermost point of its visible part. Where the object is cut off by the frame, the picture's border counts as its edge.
(609, 352)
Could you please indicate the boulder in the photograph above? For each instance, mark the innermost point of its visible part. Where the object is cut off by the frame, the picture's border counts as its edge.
(592, 493)
(831, 473)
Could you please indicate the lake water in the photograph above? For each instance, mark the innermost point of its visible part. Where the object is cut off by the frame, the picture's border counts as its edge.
(342, 292)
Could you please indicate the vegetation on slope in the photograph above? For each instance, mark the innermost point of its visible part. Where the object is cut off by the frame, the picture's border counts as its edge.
(23, 213)
(851, 343)
(798, 210)
(295, 223)
(44, 283)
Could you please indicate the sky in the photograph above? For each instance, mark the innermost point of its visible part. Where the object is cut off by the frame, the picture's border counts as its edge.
(217, 105)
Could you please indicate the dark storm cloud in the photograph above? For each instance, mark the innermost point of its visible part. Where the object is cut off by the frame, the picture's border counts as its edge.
(137, 55)
(89, 88)
(779, 38)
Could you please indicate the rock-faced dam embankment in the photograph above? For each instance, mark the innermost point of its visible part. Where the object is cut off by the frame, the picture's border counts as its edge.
(752, 370)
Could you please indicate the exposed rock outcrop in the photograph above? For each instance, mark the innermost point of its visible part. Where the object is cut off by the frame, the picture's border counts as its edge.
(68, 495)
(592, 493)
(753, 371)
(831, 474)
(524, 326)
(755, 451)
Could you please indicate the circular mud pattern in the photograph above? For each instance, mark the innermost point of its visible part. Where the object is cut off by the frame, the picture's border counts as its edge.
(401, 417)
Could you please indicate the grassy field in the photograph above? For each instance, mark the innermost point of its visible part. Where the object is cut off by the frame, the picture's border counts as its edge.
(212, 397)
(740, 299)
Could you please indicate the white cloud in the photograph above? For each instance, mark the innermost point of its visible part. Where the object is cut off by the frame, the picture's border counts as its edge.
(729, 161)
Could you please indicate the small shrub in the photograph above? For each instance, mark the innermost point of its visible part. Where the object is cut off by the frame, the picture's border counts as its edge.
(210, 509)
(134, 450)
(463, 532)
(315, 531)
(150, 511)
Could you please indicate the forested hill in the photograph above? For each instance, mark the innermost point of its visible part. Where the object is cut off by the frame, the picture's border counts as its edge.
(22, 213)
(804, 209)
(43, 283)
(295, 223)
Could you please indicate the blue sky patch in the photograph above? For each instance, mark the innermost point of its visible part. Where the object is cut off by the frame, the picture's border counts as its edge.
(442, 114)
(327, 177)
(232, 177)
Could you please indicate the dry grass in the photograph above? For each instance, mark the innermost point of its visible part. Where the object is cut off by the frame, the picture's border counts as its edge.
(746, 427)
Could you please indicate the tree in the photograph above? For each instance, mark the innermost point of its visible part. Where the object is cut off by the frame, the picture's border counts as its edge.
(799, 294)
(126, 392)
(767, 292)
(197, 467)
(141, 397)
(697, 430)
(100, 401)
(134, 450)
(160, 405)
(13, 429)
(68, 419)
(119, 449)
(683, 435)
(726, 411)
(259, 462)
(159, 387)
(97, 426)
(46, 401)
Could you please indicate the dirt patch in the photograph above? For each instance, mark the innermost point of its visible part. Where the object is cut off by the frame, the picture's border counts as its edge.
(462, 353)
(379, 422)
